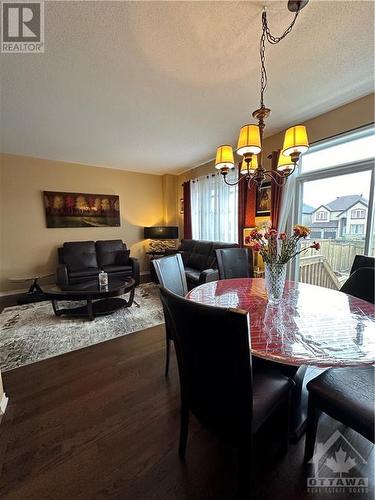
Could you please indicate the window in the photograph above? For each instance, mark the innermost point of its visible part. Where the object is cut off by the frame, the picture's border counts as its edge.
(321, 215)
(357, 229)
(338, 174)
(358, 214)
(214, 208)
(355, 146)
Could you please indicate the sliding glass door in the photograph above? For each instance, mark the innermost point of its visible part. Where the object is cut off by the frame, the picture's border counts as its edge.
(336, 200)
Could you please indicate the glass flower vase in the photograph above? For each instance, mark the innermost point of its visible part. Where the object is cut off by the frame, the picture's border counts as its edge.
(275, 275)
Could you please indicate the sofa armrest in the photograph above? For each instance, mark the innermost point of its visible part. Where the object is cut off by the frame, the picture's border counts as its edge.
(135, 268)
(62, 275)
(208, 275)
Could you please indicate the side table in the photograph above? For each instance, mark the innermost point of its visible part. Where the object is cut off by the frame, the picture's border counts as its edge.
(34, 293)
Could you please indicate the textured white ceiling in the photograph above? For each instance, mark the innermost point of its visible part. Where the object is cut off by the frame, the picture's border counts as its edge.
(156, 86)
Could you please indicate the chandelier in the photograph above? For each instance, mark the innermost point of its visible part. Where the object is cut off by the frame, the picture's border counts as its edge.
(250, 141)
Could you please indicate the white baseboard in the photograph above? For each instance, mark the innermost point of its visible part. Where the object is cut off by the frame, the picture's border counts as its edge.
(3, 404)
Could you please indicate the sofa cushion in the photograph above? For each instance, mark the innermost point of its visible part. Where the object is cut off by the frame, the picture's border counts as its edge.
(192, 274)
(107, 251)
(117, 269)
(77, 261)
(198, 259)
(122, 258)
(187, 245)
(84, 273)
(116, 258)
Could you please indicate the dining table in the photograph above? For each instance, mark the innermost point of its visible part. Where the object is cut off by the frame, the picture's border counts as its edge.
(310, 326)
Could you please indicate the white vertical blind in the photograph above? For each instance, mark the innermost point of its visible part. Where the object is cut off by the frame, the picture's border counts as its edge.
(214, 208)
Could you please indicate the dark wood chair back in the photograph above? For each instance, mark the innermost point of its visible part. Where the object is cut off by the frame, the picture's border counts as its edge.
(214, 361)
(171, 274)
(234, 263)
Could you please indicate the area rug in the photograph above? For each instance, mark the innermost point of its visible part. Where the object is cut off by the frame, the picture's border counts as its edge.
(32, 332)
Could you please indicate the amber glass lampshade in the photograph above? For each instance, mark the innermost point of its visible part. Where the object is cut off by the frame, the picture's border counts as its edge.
(249, 140)
(253, 165)
(295, 140)
(224, 157)
(284, 163)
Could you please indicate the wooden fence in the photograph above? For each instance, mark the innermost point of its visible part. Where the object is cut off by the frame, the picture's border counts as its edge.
(338, 254)
(315, 270)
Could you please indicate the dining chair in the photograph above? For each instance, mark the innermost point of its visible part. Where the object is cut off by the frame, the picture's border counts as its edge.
(345, 394)
(362, 261)
(171, 275)
(234, 263)
(217, 384)
(361, 284)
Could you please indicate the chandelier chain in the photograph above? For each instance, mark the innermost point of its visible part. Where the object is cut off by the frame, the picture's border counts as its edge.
(273, 40)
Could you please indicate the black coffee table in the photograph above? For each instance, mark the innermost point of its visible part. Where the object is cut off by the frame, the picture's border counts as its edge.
(99, 301)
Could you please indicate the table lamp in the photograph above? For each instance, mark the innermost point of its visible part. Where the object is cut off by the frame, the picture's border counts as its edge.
(160, 237)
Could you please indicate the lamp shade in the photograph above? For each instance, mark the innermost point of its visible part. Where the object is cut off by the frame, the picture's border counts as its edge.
(161, 233)
(295, 140)
(252, 166)
(224, 157)
(249, 140)
(284, 163)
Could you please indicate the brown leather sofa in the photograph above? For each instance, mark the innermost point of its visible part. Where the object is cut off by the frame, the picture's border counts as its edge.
(199, 260)
(81, 261)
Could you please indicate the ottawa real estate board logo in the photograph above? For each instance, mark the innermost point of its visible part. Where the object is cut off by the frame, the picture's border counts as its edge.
(337, 468)
(22, 27)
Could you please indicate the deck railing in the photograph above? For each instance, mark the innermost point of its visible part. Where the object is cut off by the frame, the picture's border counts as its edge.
(338, 253)
(315, 270)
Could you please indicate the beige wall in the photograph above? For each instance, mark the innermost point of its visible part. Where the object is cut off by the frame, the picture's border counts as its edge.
(353, 115)
(27, 246)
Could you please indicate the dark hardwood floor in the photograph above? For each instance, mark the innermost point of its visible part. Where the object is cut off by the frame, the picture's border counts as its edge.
(103, 422)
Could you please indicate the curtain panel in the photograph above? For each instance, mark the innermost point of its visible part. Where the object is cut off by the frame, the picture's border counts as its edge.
(246, 208)
(214, 208)
(276, 193)
(187, 210)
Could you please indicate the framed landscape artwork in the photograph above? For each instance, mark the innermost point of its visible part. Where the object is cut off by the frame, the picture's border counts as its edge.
(81, 209)
(263, 200)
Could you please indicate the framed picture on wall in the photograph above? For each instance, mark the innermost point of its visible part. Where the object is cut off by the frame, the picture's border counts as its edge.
(246, 235)
(263, 200)
(81, 209)
(181, 205)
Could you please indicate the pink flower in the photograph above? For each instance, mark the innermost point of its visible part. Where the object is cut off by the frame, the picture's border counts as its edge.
(282, 236)
(256, 246)
(272, 232)
(247, 240)
(255, 235)
(316, 245)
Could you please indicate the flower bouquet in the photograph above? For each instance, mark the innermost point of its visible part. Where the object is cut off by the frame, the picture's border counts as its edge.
(277, 250)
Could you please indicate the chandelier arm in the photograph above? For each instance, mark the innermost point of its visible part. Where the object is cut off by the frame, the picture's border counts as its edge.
(234, 183)
(276, 177)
